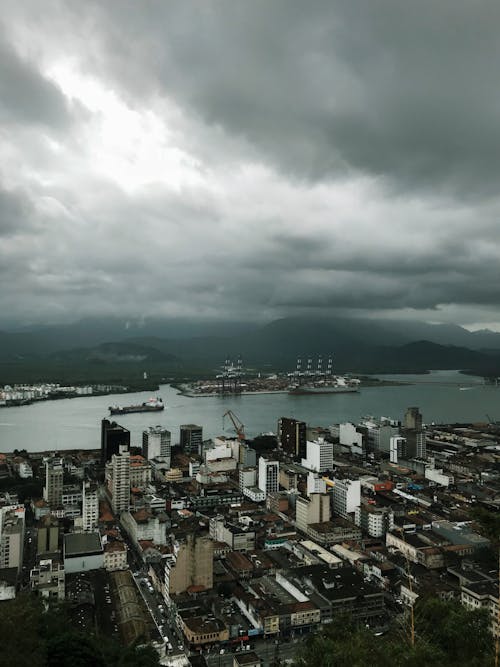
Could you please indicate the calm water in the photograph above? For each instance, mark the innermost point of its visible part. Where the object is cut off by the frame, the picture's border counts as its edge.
(75, 423)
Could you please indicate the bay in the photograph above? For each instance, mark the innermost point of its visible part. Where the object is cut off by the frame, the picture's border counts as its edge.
(443, 396)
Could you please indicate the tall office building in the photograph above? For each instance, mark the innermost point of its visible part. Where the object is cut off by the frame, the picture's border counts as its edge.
(414, 434)
(191, 438)
(12, 541)
(90, 507)
(120, 480)
(113, 436)
(268, 475)
(156, 441)
(191, 564)
(346, 496)
(315, 509)
(53, 489)
(412, 419)
(319, 456)
(292, 437)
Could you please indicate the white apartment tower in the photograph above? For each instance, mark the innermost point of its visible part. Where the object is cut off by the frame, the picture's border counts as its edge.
(90, 507)
(120, 480)
(319, 455)
(268, 475)
(346, 496)
(156, 442)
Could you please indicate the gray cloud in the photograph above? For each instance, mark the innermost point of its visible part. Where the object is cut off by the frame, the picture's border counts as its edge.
(250, 160)
(25, 95)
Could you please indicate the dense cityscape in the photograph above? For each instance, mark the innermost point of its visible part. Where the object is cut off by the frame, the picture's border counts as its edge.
(249, 333)
(229, 551)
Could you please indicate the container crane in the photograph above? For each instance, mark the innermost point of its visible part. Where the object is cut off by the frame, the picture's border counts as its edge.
(238, 425)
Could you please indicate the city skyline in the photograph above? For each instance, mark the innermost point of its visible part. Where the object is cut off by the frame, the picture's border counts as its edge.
(230, 161)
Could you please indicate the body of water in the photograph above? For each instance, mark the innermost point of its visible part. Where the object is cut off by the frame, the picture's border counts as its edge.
(443, 396)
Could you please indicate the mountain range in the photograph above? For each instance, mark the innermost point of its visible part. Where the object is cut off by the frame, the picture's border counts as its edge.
(357, 345)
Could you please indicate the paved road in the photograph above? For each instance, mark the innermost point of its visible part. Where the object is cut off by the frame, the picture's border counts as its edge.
(266, 650)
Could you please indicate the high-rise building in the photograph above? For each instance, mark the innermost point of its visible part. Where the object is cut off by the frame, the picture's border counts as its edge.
(292, 437)
(156, 442)
(191, 564)
(414, 434)
(315, 509)
(47, 535)
(268, 475)
(397, 448)
(346, 496)
(412, 419)
(113, 436)
(120, 480)
(90, 507)
(191, 438)
(319, 456)
(54, 475)
(11, 541)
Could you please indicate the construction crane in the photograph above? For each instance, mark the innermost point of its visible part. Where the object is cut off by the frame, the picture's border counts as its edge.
(238, 425)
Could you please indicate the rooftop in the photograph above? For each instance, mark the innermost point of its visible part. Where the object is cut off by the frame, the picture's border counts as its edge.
(82, 543)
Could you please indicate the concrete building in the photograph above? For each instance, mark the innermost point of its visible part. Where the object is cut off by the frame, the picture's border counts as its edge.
(412, 419)
(90, 506)
(53, 489)
(191, 438)
(115, 556)
(47, 580)
(288, 478)
(113, 436)
(346, 496)
(239, 537)
(156, 442)
(397, 448)
(144, 525)
(190, 567)
(47, 535)
(292, 437)
(248, 456)
(319, 456)
(247, 477)
(140, 472)
(315, 509)
(375, 521)
(12, 541)
(268, 475)
(315, 484)
(351, 436)
(82, 552)
(120, 480)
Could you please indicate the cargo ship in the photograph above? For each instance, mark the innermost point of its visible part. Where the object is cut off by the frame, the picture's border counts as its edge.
(335, 385)
(152, 405)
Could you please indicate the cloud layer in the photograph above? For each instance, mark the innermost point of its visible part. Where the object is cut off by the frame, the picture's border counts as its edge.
(249, 160)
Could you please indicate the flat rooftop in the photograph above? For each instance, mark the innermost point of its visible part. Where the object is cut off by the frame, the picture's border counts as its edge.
(76, 544)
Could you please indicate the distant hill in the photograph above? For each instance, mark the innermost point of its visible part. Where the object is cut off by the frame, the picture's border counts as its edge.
(115, 353)
(357, 345)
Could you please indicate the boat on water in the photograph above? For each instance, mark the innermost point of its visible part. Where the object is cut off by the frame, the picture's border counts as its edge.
(152, 405)
(334, 385)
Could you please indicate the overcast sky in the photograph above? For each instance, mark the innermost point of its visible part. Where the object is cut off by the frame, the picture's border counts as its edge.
(250, 159)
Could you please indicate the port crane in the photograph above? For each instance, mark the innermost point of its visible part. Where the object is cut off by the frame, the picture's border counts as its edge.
(238, 425)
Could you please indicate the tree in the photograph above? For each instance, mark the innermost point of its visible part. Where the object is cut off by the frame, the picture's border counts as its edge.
(447, 635)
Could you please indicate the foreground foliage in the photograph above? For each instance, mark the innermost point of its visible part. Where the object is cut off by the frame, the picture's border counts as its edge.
(34, 637)
(446, 635)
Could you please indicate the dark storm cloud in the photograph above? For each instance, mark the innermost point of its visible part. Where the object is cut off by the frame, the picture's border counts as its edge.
(250, 159)
(405, 91)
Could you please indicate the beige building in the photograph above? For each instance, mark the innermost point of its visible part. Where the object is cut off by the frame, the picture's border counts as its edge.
(199, 631)
(315, 509)
(11, 542)
(115, 556)
(191, 566)
(53, 489)
(47, 535)
(140, 472)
